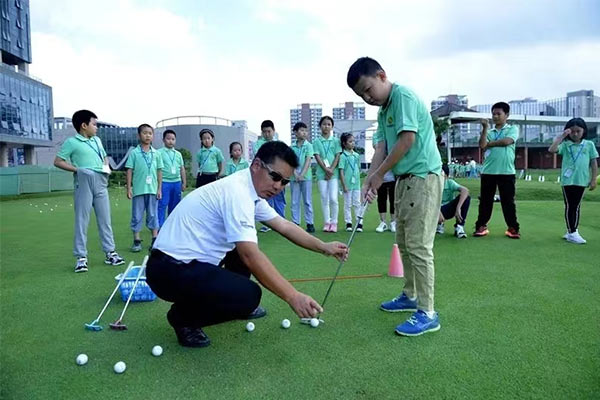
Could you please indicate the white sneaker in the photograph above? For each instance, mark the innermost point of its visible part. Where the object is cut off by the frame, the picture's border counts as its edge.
(440, 229)
(575, 237)
(382, 227)
(393, 226)
(566, 235)
(459, 232)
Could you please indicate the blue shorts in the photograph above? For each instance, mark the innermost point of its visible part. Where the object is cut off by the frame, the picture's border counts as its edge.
(139, 204)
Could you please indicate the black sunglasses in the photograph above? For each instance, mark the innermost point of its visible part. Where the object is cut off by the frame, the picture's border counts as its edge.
(276, 176)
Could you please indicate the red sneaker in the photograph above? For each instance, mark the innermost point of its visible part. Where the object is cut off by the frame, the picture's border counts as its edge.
(512, 233)
(481, 231)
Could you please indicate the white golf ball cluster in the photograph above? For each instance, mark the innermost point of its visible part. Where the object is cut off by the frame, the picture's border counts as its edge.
(120, 366)
(286, 324)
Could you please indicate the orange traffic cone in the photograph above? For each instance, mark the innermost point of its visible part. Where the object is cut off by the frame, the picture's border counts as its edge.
(396, 268)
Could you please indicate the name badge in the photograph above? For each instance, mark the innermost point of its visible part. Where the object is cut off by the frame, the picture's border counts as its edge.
(568, 172)
(487, 153)
(149, 180)
(106, 169)
(173, 170)
(326, 162)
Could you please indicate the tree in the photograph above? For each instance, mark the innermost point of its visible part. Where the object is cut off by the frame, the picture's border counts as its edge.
(440, 125)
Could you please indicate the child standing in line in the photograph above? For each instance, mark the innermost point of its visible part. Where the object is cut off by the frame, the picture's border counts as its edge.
(173, 173)
(578, 157)
(210, 159)
(386, 194)
(144, 185)
(301, 181)
(236, 161)
(327, 154)
(350, 178)
(405, 145)
(457, 207)
(84, 155)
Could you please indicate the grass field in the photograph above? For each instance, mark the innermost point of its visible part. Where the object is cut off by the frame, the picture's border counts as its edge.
(520, 319)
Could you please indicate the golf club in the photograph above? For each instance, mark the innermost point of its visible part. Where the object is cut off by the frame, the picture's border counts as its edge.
(94, 326)
(118, 325)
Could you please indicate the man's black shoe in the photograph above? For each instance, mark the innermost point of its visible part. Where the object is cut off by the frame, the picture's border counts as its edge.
(258, 313)
(310, 228)
(192, 337)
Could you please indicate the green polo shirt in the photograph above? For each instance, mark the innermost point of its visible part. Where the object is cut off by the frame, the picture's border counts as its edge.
(172, 163)
(82, 152)
(209, 159)
(404, 111)
(501, 160)
(144, 166)
(303, 152)
(350, 163)
(450, 187)
(575, 169)
(231, 167)
(327, 149)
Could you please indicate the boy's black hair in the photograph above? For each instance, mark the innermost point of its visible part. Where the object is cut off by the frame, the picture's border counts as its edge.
(576, 122)
(503, 106)
(446, 169)
(364, 66)
(82, 117)
(165, 133)
(233, 144)
(267, 123)
(142, 126)
(324, 118)
(274, 149)
(344, 139)
(298, 126)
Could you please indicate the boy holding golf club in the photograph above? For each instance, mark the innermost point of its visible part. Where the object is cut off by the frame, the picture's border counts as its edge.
(405, 130)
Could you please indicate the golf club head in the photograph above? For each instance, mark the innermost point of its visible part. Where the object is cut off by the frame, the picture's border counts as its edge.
(93, 327)
(118, 326)
(306, 321)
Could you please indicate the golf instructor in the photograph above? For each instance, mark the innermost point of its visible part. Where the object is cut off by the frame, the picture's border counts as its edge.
(208, 248)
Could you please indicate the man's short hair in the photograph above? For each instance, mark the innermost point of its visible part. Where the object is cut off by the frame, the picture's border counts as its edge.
(82, 117)
(275, 149)
(364, 66)
(267, 123)
(142, 126)
(503, 106)
(298, 126)
(165, 133)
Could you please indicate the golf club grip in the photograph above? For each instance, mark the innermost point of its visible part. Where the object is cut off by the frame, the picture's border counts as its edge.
(115, 290)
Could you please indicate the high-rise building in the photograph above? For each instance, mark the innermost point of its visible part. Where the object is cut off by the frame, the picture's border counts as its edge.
(353, 111)
(310, 114)
(25, 102)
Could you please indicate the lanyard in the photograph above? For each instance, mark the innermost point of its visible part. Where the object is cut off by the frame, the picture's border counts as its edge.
(498, 134)
(300, 150)
(171, 158)
(97, 149)
(351, 160)
(145, 157)
(578, 153)
(328, 146)
(234, 167)
(205, 160)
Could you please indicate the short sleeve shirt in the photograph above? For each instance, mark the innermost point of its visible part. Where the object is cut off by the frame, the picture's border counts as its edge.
(575, 169)
(450, 187)
(258, 144)
(209, 159)
(82, 152)
(327, 149)
(404, 111)
(208, 222)
(350, 164)
(231, 167)
(144, 166)
(501, 160)
(303, 152)
(172, 163)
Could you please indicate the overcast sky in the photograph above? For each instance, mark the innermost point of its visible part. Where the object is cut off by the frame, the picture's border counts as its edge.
(135, 61)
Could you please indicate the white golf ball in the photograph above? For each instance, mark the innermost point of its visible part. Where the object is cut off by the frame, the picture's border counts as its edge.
(120, 367)
(285, 323)
(51, 209)
(314, 322)
(250, 326)
(81, 359)
(156, 351)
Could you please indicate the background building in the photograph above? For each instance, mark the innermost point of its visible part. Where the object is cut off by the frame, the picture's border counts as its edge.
(351, 111)
(25, 102)
(310, 114)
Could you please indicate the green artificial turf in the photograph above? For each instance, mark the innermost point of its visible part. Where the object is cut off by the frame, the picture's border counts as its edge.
(519, 317)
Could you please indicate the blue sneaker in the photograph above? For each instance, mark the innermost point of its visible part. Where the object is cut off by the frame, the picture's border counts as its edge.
(418, 324)
(398, 304)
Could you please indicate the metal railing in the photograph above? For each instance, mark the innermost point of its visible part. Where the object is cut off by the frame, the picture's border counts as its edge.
(194, 120)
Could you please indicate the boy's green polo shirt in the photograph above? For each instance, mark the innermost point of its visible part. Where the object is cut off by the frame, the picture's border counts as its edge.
(575, 169)
(304, 151)
(404, 111)
(350, 163)
(209, 159)
(82, 152)
(172, 163)
(232, 167)
(144, 166)
(501, 160)
(327, 149)
(450, 187)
